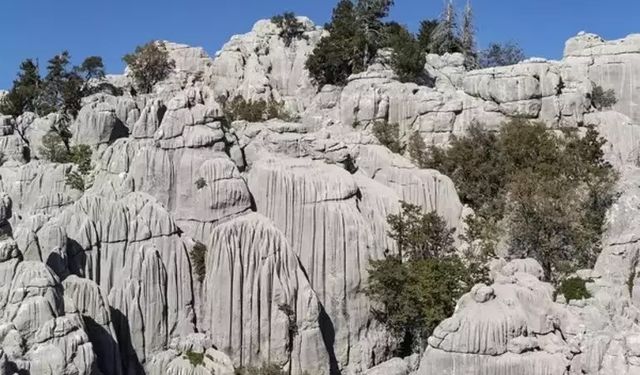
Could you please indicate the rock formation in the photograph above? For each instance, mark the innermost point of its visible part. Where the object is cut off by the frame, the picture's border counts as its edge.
(290, 215)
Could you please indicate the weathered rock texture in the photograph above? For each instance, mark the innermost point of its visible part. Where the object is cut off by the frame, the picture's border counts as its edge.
(285, 217)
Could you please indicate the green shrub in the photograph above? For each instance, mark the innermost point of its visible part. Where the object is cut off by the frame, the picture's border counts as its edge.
(265, 369)
(546, 194)
(54, 149)
(356, 32)
(196, 359)
(254, 110)
(198, 256)
(574, 288)
(388, 135)
(501, 54)
(603, 99)
(201, 183)
(290, 28)
(408, 59)
(419, 287)
(75, 180)
(149, 64)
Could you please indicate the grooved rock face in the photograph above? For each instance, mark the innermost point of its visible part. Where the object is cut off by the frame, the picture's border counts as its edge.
(610, 64)
(290, 215)
(258, 65)
(257, 302)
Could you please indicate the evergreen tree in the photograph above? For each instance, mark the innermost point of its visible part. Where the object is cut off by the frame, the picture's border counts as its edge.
(149, 65)
(340, 54)
(92, 67)
(407, 59)
(370, 14)
(501, 54)
(444, 38)
(468, 39)
(24, 94)
(424, 34)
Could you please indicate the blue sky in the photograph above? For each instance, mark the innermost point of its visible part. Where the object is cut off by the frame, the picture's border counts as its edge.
(111, 28)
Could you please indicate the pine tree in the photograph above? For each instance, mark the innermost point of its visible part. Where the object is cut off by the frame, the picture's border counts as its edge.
(340, 54)
(468, 39)
(370, 14)
(424, 34)
(25, 92)
(149, 65)
(444, 38)
(407, 59)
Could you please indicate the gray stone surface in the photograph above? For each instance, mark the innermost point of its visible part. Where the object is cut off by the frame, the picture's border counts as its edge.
(291, 214)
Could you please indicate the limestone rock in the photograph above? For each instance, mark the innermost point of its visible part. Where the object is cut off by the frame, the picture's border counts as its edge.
(258, 65)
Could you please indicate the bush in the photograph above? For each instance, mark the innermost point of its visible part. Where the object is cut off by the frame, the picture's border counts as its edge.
(265, 369)
(198, 256)
(408, 59)
(501, 54)
(574, 288)
(149, 65)
(196, 359)
(547, 193)
(388, 135)
(601, 99)
(419, 287)
(290, 28)
(341, 53)
(254, 111)
(201, 183)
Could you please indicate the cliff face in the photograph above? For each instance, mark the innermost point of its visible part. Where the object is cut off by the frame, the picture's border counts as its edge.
(291, 214)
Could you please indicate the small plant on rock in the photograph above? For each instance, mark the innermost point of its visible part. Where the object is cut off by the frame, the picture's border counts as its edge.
(574, 288)
(201, 183)
(265, 369)
(603, 99)
(198, 256)
(388, 135)
(196, 359)
(290, 28)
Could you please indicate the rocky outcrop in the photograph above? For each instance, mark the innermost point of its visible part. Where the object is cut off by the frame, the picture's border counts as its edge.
(258, 65)
(290, 215)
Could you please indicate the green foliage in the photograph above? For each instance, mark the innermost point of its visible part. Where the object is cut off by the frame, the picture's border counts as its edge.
(444, 38)
(419, 287)
(24, 94)
(603, 99)
(290, 28)
(468, 38)
(92, 68)
(60, 91)
(574, 288)
(62, 87)
(55, 149)
(501, 54)
(149, 65)
(340, 54)
(425, 33)
(201, 183)
(198, 255)
(420, 235)
(254, 110)
(196, 359)
(265, 369)
(407, 59)
(75, 180)
(547, 193)
(369, 14)
(388, 135)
